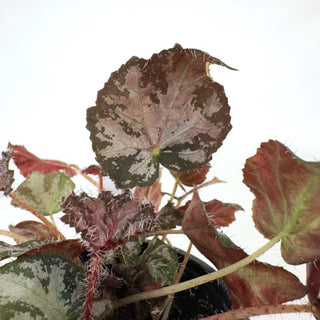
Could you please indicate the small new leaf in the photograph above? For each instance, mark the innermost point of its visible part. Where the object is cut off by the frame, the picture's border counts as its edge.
(6, 175)
(44, 193)
(166, 110)
(287, 200)
(43, 287)
(108, 221)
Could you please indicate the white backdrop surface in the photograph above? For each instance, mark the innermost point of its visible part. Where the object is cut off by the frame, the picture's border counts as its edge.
(56, 55)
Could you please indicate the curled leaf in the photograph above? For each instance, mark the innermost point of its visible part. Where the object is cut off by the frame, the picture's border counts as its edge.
(253, 285)
(193, 177)
(166, 110)
(32, 230)
(28, 162)
(108, 221)
(287, 200)
(6, 175)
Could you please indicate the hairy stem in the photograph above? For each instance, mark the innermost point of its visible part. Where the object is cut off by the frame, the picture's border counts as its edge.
(197, 281)
(45, 221)
(258, 311)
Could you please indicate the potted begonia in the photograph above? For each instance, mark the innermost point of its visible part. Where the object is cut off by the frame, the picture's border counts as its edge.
(164, 113)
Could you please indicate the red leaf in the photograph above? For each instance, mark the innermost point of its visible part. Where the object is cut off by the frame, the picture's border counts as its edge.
(150, 194)
(287, 200)
(193, 177)
(165, 110)
(108, 221)
(28, 162)
(253, 285)
(217, 213)
(32, 230)
(93, 169)
(68, 248)
(313, 285)
(6, 175)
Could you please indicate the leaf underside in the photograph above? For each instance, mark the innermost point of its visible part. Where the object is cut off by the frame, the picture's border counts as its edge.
(166, 110)
(253, 285)
(42, 287)
(287, 200)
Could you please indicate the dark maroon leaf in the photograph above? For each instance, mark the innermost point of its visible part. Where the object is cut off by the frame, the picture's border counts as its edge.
(108, 221)
(32, 230)
(313, 285)
(93, 169)
(253, 285)
(28, 162)
(6, 175)
(165, 110)
(287, 200)
(193, 177)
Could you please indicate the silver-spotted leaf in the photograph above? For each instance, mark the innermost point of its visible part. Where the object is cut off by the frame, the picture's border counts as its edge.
(42, 287)
(287, 200)
(44, 192)
(6, 175)
(161, 261)
(165, 110)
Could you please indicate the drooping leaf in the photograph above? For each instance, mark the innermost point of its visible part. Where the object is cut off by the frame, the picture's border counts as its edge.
(256, 284)
(287, 200)
(161, 261)
(193, 177)
(32, 230)
(28, 162)
(165, 110)
(6, 175)
(42, 287)
(313, 285)
(43, 192)
(108, 221)
(67, 248)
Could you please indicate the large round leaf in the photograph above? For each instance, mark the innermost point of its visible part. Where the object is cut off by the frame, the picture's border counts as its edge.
(165, 110)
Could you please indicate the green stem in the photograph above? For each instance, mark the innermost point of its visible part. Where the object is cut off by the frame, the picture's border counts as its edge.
(197, 281)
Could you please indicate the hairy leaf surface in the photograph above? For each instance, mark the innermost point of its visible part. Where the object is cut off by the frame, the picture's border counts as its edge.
(43, 192)
(28, 162)
(165, 110)
(287, 200)
(256, 284)
(6, 175)
(108, 221)
(42, 287)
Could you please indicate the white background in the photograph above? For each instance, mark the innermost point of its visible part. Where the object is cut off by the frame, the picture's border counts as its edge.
(56, 55)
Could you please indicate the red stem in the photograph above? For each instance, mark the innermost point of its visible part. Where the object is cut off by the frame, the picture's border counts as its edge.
(95, 265)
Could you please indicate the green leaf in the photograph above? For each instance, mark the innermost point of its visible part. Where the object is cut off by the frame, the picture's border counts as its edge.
(166, 110)
(161, 261)
(42, 287)
(287, 200)
(44, 192)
